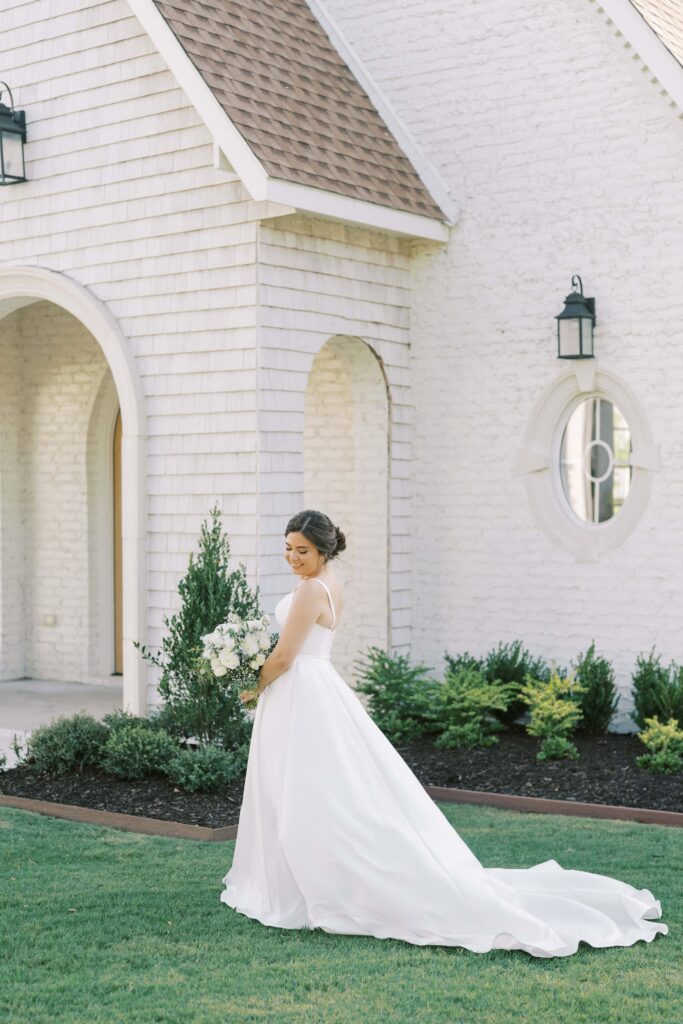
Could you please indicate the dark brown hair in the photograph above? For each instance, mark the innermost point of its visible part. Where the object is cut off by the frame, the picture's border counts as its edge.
(320, 530)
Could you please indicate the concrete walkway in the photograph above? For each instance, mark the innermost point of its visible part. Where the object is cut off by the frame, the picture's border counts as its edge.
(28, 703)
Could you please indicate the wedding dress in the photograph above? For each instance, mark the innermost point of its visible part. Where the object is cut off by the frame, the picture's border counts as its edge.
(336, 832)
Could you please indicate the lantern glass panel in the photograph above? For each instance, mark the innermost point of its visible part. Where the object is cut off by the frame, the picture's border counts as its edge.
(570, 338)
(12, 155)
(595, 458)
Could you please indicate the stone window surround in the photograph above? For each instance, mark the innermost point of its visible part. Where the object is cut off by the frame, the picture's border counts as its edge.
(538, 464)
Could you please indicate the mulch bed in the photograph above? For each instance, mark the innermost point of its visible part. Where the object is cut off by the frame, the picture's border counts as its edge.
(605, 773)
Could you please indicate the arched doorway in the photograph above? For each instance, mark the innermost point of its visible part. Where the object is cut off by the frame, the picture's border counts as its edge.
(66, 371)
(346, 474)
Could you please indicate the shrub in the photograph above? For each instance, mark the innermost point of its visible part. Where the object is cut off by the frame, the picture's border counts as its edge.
(599, 701)
(657, 691)
(65, 745)
(464, 660)
(200, 704)
(134, 751)
(665, 744)
(468, 700)
(403, 698)
(204, 769)
(118, 719)
(512, 663)
(555, 710)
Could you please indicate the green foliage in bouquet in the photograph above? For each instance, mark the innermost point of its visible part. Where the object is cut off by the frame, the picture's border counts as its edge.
(468, 701)
(599, 701)
(64, 745)
(657, 691)
(555, 710)
(512, 663)
(665, 745)
(403, 698)
(200, 705)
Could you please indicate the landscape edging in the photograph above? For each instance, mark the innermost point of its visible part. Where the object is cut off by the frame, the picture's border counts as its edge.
(181, 830)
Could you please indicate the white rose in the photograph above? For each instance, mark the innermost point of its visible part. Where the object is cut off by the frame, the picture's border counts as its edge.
(260, 658)
(254, 624)
(254, 663)
(250, 645)
(228, 643)
(229, 659)
(218, 669)
(264, 642)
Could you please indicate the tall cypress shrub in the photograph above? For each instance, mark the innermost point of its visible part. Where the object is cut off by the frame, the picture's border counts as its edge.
(199, 705)
(600, 700)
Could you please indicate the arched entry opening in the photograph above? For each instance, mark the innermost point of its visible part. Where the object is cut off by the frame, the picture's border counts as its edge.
(66, 379)
(346, 475)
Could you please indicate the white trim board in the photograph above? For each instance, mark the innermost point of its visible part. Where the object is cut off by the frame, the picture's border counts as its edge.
(653, 54)
(251, 171)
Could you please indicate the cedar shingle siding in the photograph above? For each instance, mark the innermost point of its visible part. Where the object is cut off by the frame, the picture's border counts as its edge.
(293, 99)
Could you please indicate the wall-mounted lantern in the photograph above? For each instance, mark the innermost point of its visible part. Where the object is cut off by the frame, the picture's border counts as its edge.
(12, 139)
(575, 325)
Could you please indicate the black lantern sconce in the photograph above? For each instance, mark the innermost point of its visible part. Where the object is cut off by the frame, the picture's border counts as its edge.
(575, 325)
(12, 139)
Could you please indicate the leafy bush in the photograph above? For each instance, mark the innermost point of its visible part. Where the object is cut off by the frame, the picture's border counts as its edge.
(512, 663)
(403, 698)
(657, 691)
(201, 705)
(134, 751)
(206, 768)
(468, 700)
(65, 744)
(665, 744)
(118, 719)
(555, 710)
(600, 700)
(464, 660)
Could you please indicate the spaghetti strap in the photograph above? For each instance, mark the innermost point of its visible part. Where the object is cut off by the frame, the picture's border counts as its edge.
(334, 614)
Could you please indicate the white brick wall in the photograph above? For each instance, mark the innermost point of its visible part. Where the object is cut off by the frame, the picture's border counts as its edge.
(123, 198)
(56, 372)
(320, 281)
(345, 475)
(566, 159)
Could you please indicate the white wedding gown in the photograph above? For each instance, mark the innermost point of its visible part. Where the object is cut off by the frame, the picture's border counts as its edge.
(335, 832)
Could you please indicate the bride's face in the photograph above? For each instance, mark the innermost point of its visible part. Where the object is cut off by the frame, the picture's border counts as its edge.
(303, 557)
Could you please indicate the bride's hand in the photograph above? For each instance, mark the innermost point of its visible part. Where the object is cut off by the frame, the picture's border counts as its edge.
(248, 695)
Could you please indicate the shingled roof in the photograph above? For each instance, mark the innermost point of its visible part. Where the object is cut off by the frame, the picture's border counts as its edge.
(277, 76)
(666, 18)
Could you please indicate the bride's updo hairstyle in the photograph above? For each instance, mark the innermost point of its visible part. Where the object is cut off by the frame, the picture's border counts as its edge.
(320, 530)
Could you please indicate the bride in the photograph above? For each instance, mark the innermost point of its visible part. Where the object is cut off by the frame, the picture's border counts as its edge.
(336, 832)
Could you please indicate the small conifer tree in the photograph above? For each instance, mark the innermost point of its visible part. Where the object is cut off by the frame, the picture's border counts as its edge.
(199, 705)
(600, 701)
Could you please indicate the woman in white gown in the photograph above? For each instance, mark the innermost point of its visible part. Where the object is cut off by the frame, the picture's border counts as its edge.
(336, 832)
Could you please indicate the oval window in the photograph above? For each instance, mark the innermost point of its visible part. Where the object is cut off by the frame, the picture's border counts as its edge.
(595, 460)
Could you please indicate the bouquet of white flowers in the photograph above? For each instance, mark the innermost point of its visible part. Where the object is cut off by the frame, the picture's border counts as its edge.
(238, 647)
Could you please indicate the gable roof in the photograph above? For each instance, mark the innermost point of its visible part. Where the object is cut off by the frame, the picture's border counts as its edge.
(666, 18)
(289, 114)
(294, 100)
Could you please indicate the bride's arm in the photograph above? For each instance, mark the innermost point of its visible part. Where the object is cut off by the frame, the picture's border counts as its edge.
(306, 606)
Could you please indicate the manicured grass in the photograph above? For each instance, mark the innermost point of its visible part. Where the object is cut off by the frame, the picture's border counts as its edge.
(100, 926)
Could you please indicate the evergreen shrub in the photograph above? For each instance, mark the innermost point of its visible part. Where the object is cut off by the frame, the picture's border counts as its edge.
(657, 691)
(64, 745)
(665, 746)
(600, 700)
(403, 698)
(555, 709)
(206, 768)
(198, 704)
(468, 701)
(134, 751)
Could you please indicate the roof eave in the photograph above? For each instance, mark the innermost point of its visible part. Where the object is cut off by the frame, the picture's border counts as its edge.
(641, 37)
(248, 167)
(307, 199)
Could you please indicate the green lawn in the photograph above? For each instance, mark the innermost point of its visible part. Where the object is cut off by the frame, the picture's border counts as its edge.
(101, 926)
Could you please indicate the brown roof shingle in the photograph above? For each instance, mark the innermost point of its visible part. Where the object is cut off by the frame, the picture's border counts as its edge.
(283, 85)
(666, 18)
